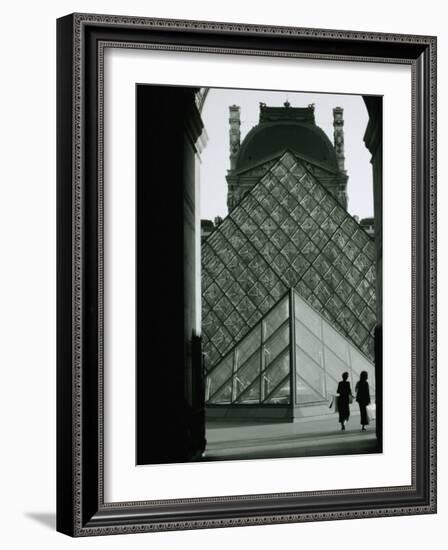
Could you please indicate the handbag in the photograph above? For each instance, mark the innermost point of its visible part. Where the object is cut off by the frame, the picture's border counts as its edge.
(371, 412)
(335, 403)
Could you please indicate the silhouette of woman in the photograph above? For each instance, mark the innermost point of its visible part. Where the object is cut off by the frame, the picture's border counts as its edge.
(363, 398)
(345, 393)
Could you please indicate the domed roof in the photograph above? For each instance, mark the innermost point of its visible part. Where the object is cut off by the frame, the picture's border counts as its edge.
(268, 138)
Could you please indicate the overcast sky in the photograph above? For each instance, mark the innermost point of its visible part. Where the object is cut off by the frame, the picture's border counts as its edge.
(215, 157)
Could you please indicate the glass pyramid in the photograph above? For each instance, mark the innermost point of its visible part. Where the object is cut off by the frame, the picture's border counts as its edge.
(287, 232)
(292, 356)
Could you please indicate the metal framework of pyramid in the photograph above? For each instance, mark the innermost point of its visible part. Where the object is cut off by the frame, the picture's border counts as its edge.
(288, 232)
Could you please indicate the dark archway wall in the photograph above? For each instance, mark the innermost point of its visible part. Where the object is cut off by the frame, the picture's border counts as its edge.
(374, 143)
(170, 413)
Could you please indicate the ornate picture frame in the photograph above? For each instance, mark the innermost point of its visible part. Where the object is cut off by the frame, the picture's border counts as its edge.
(81, 506)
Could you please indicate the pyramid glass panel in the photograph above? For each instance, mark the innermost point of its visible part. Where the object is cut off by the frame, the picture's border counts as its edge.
(312, 373)
(218, 377)
(309, 343)
(334, 366)
(277, 343)
(280, 395)
(247, 373)
(248, 346)
(223, 396)
(276, 317)
(304, 393)
(334, 343)
(275, 373)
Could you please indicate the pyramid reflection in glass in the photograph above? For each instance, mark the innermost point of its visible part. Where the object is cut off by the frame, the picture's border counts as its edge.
(292, 356)
(287, 232)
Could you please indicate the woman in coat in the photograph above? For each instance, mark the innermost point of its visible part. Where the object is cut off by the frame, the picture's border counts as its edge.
(363, 398)
(344, 398)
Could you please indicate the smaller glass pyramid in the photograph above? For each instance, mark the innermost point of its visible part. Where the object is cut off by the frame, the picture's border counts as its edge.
(292, 356)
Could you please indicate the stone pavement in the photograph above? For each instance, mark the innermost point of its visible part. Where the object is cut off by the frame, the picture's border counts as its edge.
(316, 436)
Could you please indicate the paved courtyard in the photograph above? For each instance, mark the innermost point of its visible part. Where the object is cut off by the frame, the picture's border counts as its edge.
(307, 437)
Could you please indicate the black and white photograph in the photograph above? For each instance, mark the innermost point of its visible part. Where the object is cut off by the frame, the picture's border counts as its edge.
(281, 224)
(246, 275)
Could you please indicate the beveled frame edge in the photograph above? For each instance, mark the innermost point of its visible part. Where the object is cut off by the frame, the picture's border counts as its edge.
(82, 513)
